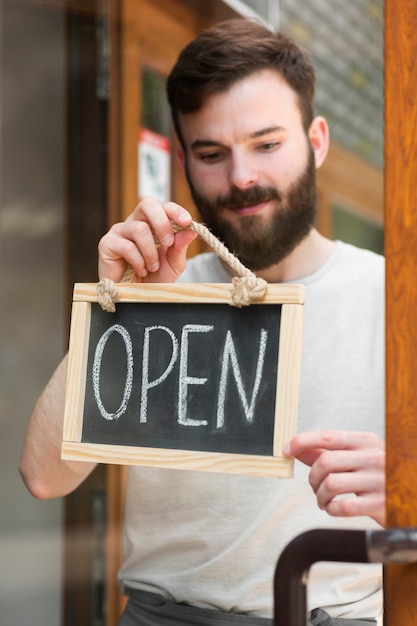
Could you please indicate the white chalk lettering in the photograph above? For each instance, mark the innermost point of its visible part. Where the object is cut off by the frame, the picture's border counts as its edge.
(230, 359)
(146, 383)
(186, 380)
(98, 356)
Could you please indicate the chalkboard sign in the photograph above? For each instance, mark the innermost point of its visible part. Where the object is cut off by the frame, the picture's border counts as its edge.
(178, 378)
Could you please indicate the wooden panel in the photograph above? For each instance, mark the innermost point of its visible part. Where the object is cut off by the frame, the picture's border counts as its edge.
(116, 487)
(352, 182)
(129, 109)
(401, 297)
(80, 320)
(348, 181)
(255, 465)
(187, 292)
(288, 387)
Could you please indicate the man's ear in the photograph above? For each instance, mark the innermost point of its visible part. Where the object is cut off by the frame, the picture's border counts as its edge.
(181, 157)
(318, 134)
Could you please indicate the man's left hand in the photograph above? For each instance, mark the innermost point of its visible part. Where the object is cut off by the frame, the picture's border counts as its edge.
(347, 471)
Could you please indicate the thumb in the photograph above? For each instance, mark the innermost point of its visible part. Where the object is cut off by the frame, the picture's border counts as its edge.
(176, 254)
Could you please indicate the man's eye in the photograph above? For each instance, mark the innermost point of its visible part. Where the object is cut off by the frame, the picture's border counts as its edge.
(211, 157)
(269, 146)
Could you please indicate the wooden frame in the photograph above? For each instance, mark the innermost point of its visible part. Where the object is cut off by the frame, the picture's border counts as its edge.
(291, 297)
(400, 194)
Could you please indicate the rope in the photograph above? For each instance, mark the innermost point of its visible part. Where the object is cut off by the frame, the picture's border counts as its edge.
(246, 287)
(107, 295)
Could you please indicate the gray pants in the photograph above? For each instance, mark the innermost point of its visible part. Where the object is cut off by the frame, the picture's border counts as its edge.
(150, 609)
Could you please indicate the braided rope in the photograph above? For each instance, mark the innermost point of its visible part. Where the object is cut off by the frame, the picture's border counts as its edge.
(246, 288)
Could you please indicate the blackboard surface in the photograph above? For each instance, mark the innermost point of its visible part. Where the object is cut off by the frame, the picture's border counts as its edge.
(180, 376)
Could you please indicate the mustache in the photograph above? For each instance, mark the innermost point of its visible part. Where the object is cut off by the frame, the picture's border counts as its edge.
(237, 198)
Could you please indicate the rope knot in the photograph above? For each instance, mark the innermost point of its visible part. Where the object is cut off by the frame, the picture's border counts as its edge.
(107, 295)
(246, 289)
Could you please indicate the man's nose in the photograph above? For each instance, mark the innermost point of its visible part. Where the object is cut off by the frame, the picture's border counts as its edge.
(242, 172)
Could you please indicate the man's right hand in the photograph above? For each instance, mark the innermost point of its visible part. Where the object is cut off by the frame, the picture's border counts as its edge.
(147, 242)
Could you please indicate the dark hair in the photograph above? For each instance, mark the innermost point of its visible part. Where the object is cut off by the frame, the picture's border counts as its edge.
(230, 51)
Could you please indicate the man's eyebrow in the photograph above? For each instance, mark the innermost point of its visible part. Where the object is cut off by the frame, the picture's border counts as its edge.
(209, 143)
(265, 131)
(204, 143)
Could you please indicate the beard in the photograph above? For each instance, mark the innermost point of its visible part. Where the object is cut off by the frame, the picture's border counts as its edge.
(259, 243)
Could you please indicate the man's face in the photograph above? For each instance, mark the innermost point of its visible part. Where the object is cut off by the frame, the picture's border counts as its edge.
(251, 169)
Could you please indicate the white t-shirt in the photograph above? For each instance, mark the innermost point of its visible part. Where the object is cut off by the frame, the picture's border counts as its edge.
(213, 540)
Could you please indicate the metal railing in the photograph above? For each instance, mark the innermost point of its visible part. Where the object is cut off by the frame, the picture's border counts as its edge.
(350, 546)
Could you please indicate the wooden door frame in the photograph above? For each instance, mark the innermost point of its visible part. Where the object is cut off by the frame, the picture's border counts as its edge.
(401, 295)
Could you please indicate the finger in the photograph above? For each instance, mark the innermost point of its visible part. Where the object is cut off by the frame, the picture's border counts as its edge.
(177, 254)
(115, 253)
(357, 482)
(128, 243)
(331, 440)
(160, 217)
(371, 505)
(178, 214)
(330, 465)
(146, 257)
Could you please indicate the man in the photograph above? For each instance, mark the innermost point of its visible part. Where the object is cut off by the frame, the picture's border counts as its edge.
(201, 548)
